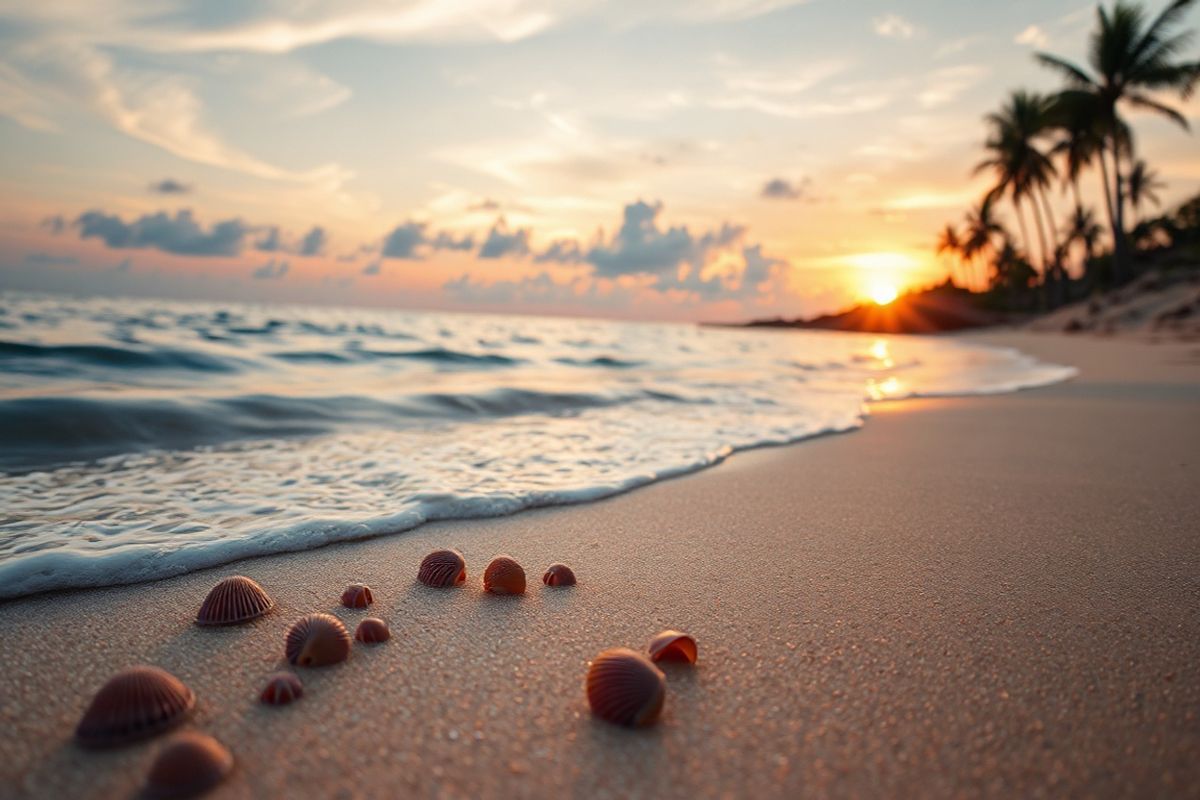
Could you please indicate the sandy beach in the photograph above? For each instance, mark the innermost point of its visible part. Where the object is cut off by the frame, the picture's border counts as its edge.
(969, 597)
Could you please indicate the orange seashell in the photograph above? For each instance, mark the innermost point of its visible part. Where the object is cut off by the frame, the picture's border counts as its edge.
(189, 765)
(232, 601)
(625, 688)
(317, 640)
(135, 704)
(673, 646)
(559, 575)
(372, 630)
(504, 576)
(357, 596)
(443, 568)
(281, 689)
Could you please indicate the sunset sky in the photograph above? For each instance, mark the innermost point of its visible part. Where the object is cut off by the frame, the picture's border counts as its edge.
(699, 159)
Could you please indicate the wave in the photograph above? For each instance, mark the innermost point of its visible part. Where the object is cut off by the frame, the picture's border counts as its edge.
(40, 359)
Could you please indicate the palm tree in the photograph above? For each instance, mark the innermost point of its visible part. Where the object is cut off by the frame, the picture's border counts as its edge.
(948, 244)
(1130, 59)
(1086, 231)
(979, 227)
(1143, 184)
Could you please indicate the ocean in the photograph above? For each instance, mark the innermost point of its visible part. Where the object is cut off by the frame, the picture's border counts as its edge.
(141, 439)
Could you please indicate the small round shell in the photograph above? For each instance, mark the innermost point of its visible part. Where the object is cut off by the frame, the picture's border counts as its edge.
(625, 688)
(189, 765)
(136, 703)
(372, 630)
(232, 601)
(282, 688)
(673, 646)
(357, 596)
(317, 640)
(504, 576)
(559, 575)
(442, 569)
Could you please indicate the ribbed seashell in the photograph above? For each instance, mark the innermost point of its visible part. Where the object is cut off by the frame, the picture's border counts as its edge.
(281, 689)
(504, 576)
(234, 600)
(357, 596)
(673, 646)
(443, 568)
(372, 630)
(559, 575)
(625, 688)
(317, 640)
(135, 704)
(190, 764)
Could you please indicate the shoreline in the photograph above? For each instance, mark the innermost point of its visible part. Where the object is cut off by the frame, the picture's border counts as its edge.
(981, 595)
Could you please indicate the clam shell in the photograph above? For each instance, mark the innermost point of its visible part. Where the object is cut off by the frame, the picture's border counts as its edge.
(317, 640)
(559, 575)
(357, 596)
(281, 689)
(135, 704)
(443, 568)
(234, 600)
(190, 764)
(673, 646)
(372, 630)
(504, 576)
(625, 688)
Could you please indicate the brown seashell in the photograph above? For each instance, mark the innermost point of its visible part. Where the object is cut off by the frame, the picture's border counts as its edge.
(357, 596)
(281, 689)
(189, 765)
(673, 646)
(135, 704)
(317, 640)
(372, 630)
(234, 600)
(559, 575)
(443, 568)
(504, 576)
(625, 688)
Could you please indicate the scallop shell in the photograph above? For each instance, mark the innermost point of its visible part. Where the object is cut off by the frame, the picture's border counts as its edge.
(190, 764)
(625, 688)
(504, 576)
(234, 600)
(559, 575)
(135, 704)
(317, 640)
(372, 630)
(281, 689)
(357, 596)
(443, 568)
(673, 646)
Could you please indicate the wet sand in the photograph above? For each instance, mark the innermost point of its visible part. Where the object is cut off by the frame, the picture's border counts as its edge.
(969, 597)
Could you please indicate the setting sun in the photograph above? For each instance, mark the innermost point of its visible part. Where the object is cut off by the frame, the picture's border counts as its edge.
(882, 292)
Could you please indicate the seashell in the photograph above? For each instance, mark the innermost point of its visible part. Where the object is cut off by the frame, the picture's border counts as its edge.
(281, 689)
(232, 601)
(357, 596)
(317, 640)
(673, 646)
(559, 575)
(372, 630)
(135, 704)
(190, 764)
(504, 576)
(443, 568)
(625, 688)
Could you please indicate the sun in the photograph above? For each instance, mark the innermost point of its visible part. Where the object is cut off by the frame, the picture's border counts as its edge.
(882, 291)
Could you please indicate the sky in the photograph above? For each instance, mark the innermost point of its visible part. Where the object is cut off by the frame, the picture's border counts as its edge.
(682, 159)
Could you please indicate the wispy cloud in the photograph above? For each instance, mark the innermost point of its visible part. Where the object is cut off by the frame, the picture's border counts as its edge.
(1032, 36)
(893, 26)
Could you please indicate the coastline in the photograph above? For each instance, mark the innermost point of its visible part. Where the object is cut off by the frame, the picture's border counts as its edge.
(981, 596)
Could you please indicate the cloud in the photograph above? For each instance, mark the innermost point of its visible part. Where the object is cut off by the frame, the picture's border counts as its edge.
(409, 240)
(448, 241)
(1033, 36)
(43, 259)
(313, 243)
(893, 26)
(272, 270)
(179, 234)
(946, 85)
(561, 251)
(782, 189)
(501, 242)
(170, 186)
(55, 224)
(640, 246)
(270, 242)
(373, 268)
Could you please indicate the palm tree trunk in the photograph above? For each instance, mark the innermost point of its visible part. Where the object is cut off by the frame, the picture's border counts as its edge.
(1118, 220)
(1059, 283)
(1037, 219)
(1024, 229)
